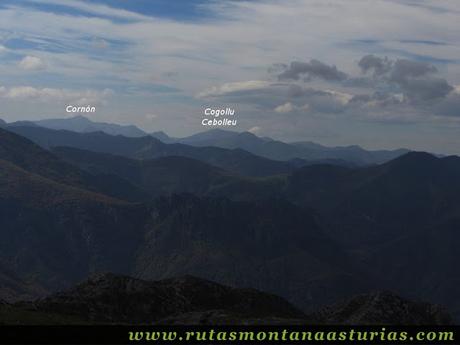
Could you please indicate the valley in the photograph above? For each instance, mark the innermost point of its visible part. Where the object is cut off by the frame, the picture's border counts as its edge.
(73, 204)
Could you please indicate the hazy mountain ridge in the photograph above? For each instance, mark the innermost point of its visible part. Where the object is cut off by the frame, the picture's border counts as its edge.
(173, 174)
(399, 217)
(93, 232)
(237, 161)
(28, 156)
(219, 138)
(277, 150)
(353, 229)
(84, 125)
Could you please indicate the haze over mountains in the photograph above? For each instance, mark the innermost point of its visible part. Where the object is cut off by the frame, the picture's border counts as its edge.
(76, 203)
(84, 125)
(264, 147)
(278, 150)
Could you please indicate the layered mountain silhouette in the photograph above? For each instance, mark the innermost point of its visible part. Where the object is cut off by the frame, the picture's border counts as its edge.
(65, 232)
(24, 154)
(115, 299)
(237, 161)
(84, 125)
(76, 203)
(277, 150)
(172, 174)
(301, 152)
(399, 217)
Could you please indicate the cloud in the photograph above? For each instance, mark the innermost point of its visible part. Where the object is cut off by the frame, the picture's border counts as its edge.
(95, 9)
(378, 99)
(233, 48)
(449, 106)
(404, 69)
(311, 70)
(288, 107)
(32, 63)
(391, 90)
(415, 79)
(376, 64)
(86, 97)
(426, 89)
(280, 97)
(284, 108)
(342, 97)
(151, 116)
(236, 87)
(3, 49)
(100, 43)
(254, 130)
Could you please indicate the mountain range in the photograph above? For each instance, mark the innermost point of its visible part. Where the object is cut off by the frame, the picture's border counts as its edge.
(235, 161)
(277, 150)
(65, 232)
(72, 204)
(82, 124)
(218, 138)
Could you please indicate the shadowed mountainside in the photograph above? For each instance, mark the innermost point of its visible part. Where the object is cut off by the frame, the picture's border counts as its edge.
(108, 299)
(59, 233)
(236, 161)
(383, 308)
(392, 226)
(218, 138)
(172, 174)
(277, 150)
(26, 155)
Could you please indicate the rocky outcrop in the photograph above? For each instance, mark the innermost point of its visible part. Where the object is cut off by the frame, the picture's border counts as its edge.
(112, 298)
(383, 308)
(115, 299)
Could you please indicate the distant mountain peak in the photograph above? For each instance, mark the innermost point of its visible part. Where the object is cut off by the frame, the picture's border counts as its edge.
(80, 117)
(418, 155)
(160, 133)
(83, 124)
(414, 158)
(247, 134)
(162, 136)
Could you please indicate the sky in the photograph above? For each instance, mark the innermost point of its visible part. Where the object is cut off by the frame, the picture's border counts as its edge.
(380, 73)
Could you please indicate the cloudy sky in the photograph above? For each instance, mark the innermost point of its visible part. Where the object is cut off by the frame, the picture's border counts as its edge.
(380, 73)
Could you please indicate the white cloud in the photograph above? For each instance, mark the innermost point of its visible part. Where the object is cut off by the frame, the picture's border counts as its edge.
(229, 88)
(32, 63)
(255, 130)
(3, 49)
(284, 108)
(86, 97)
(95, 9)
(288, 107)
(224, 52)
(100, 43)
(342, 97)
